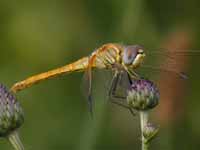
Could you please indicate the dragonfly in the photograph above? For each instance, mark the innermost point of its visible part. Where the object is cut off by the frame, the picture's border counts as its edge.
(120, 59)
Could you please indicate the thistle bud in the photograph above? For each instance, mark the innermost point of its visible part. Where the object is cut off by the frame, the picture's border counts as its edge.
(150, 131)
(143, 95)
(11, 114)
(11, 117)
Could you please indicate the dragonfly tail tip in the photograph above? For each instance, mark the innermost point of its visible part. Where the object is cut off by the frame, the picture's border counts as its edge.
(183, 75)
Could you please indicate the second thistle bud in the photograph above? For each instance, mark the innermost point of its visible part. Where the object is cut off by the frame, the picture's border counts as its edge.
(11, 117)
(150, 131)
(143, 95)
(11, 113)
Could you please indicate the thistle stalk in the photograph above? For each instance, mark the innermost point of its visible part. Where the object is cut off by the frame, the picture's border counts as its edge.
(143, 123)
(143, 96)
(15, 141)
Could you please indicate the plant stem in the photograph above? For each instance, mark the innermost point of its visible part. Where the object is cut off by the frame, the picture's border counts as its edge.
(143, 123)
(15, 141)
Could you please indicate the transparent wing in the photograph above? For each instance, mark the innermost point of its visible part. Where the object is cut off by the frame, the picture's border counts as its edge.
(171, 62)
(97, 86)
(86, 89)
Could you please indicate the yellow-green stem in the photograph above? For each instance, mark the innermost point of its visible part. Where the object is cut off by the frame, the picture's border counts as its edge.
(15, 141)
(143, 123)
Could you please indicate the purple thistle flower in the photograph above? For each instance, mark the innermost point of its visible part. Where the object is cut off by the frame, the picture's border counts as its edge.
(143, 95)
(11, 113)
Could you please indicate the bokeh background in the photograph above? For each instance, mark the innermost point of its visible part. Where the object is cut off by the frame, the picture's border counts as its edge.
(38, 35)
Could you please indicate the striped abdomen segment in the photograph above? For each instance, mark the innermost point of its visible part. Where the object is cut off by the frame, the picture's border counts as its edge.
(79, 65)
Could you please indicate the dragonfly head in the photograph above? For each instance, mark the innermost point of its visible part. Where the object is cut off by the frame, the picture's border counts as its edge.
(133, 56)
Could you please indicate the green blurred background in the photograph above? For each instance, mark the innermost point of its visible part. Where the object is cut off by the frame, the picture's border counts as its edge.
(38, 35)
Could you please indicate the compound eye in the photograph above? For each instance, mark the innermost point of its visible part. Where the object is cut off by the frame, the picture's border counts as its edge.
(130, 53)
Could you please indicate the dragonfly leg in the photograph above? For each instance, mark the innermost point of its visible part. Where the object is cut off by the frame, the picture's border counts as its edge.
(116, 99)
(129, 79)
(122, 105)
(133, 74)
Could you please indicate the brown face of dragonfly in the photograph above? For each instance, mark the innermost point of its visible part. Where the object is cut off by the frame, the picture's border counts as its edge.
(133, 56)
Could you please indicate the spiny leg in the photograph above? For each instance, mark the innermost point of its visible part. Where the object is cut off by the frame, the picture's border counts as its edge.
(133, 75)
(129, 79)
(114, 98)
